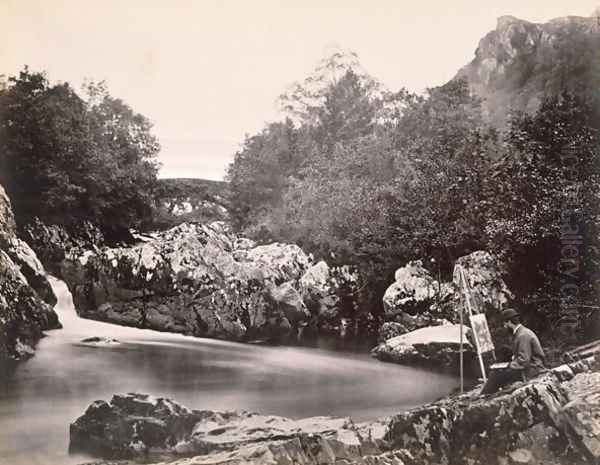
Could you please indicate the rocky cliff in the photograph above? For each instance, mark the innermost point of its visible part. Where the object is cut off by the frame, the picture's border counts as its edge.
(26, 298)
(520, 62)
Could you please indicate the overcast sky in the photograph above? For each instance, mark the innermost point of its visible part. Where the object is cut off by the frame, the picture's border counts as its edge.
(208, 72)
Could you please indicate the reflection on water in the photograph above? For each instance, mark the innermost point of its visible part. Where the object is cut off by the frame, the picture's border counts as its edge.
(48, 392)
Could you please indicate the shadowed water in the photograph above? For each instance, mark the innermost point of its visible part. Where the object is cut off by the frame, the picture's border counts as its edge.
(45, 394)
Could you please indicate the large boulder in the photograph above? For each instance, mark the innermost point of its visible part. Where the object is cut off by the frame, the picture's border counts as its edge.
(195, 279)
(437, 346)
(280, 262)
(289, 300)
(23, 288)
(132, 425)
(416, 299)
(331, 294)
(488, 291)
(135, 425)
(412, 292)
(316, 278)
(317, 292)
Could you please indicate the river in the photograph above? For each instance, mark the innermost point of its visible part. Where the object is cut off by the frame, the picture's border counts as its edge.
(45, 394)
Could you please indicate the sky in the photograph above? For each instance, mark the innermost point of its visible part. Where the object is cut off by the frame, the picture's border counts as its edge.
(208, 73)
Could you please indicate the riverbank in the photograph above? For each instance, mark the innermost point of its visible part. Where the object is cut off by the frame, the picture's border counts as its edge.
(550, 420)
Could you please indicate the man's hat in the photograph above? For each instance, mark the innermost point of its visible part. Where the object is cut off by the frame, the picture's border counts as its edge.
(509, 313)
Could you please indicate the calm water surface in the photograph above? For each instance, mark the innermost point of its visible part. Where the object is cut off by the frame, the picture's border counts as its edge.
(45, 394)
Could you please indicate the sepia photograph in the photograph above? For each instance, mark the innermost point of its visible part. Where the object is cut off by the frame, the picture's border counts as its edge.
(284, 232)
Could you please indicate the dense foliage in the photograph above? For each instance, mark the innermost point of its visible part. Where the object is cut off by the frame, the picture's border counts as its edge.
(66, 159)
(543, 209)
(376, 179)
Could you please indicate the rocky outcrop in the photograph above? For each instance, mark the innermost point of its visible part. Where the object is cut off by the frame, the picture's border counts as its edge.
(331, 294)
(581, 414)
(488, 293)
(133, 425)
(277, 262)
(542, 422)
(21, 254)
(525, 423)
(477, 430)
(520, 62)
(435, 346)
(194, 279)
(8, 228)
(184, 280)
(416, 300)
(25, 258)
(23, 315)
(289, 301)
(136, 425)
(52, 242)
(24, 293)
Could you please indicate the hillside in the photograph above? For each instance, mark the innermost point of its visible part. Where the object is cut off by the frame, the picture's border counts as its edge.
(519, 62)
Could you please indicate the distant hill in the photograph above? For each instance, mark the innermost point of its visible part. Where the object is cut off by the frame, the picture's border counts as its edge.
(179, 200)
(520, 62)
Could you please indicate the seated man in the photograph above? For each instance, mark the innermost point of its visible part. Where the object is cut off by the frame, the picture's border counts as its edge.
(527, 358)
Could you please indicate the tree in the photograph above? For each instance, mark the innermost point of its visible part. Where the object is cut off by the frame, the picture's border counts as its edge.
(43, 151)
(445, 149)
(303, 101)
(260, 171)
(543, 211)
(348, 112)
(65, 159)
(337, 104)
(129, 152)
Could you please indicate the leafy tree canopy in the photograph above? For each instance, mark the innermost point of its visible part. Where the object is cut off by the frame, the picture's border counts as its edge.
(65, 158)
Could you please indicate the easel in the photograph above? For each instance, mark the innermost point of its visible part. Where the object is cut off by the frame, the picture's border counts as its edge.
(467, 294)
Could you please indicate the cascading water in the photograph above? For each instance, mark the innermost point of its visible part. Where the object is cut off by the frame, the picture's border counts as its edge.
(45, 394)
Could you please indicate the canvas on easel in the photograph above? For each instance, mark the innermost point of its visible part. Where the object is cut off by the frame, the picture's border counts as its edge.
(481, 332)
